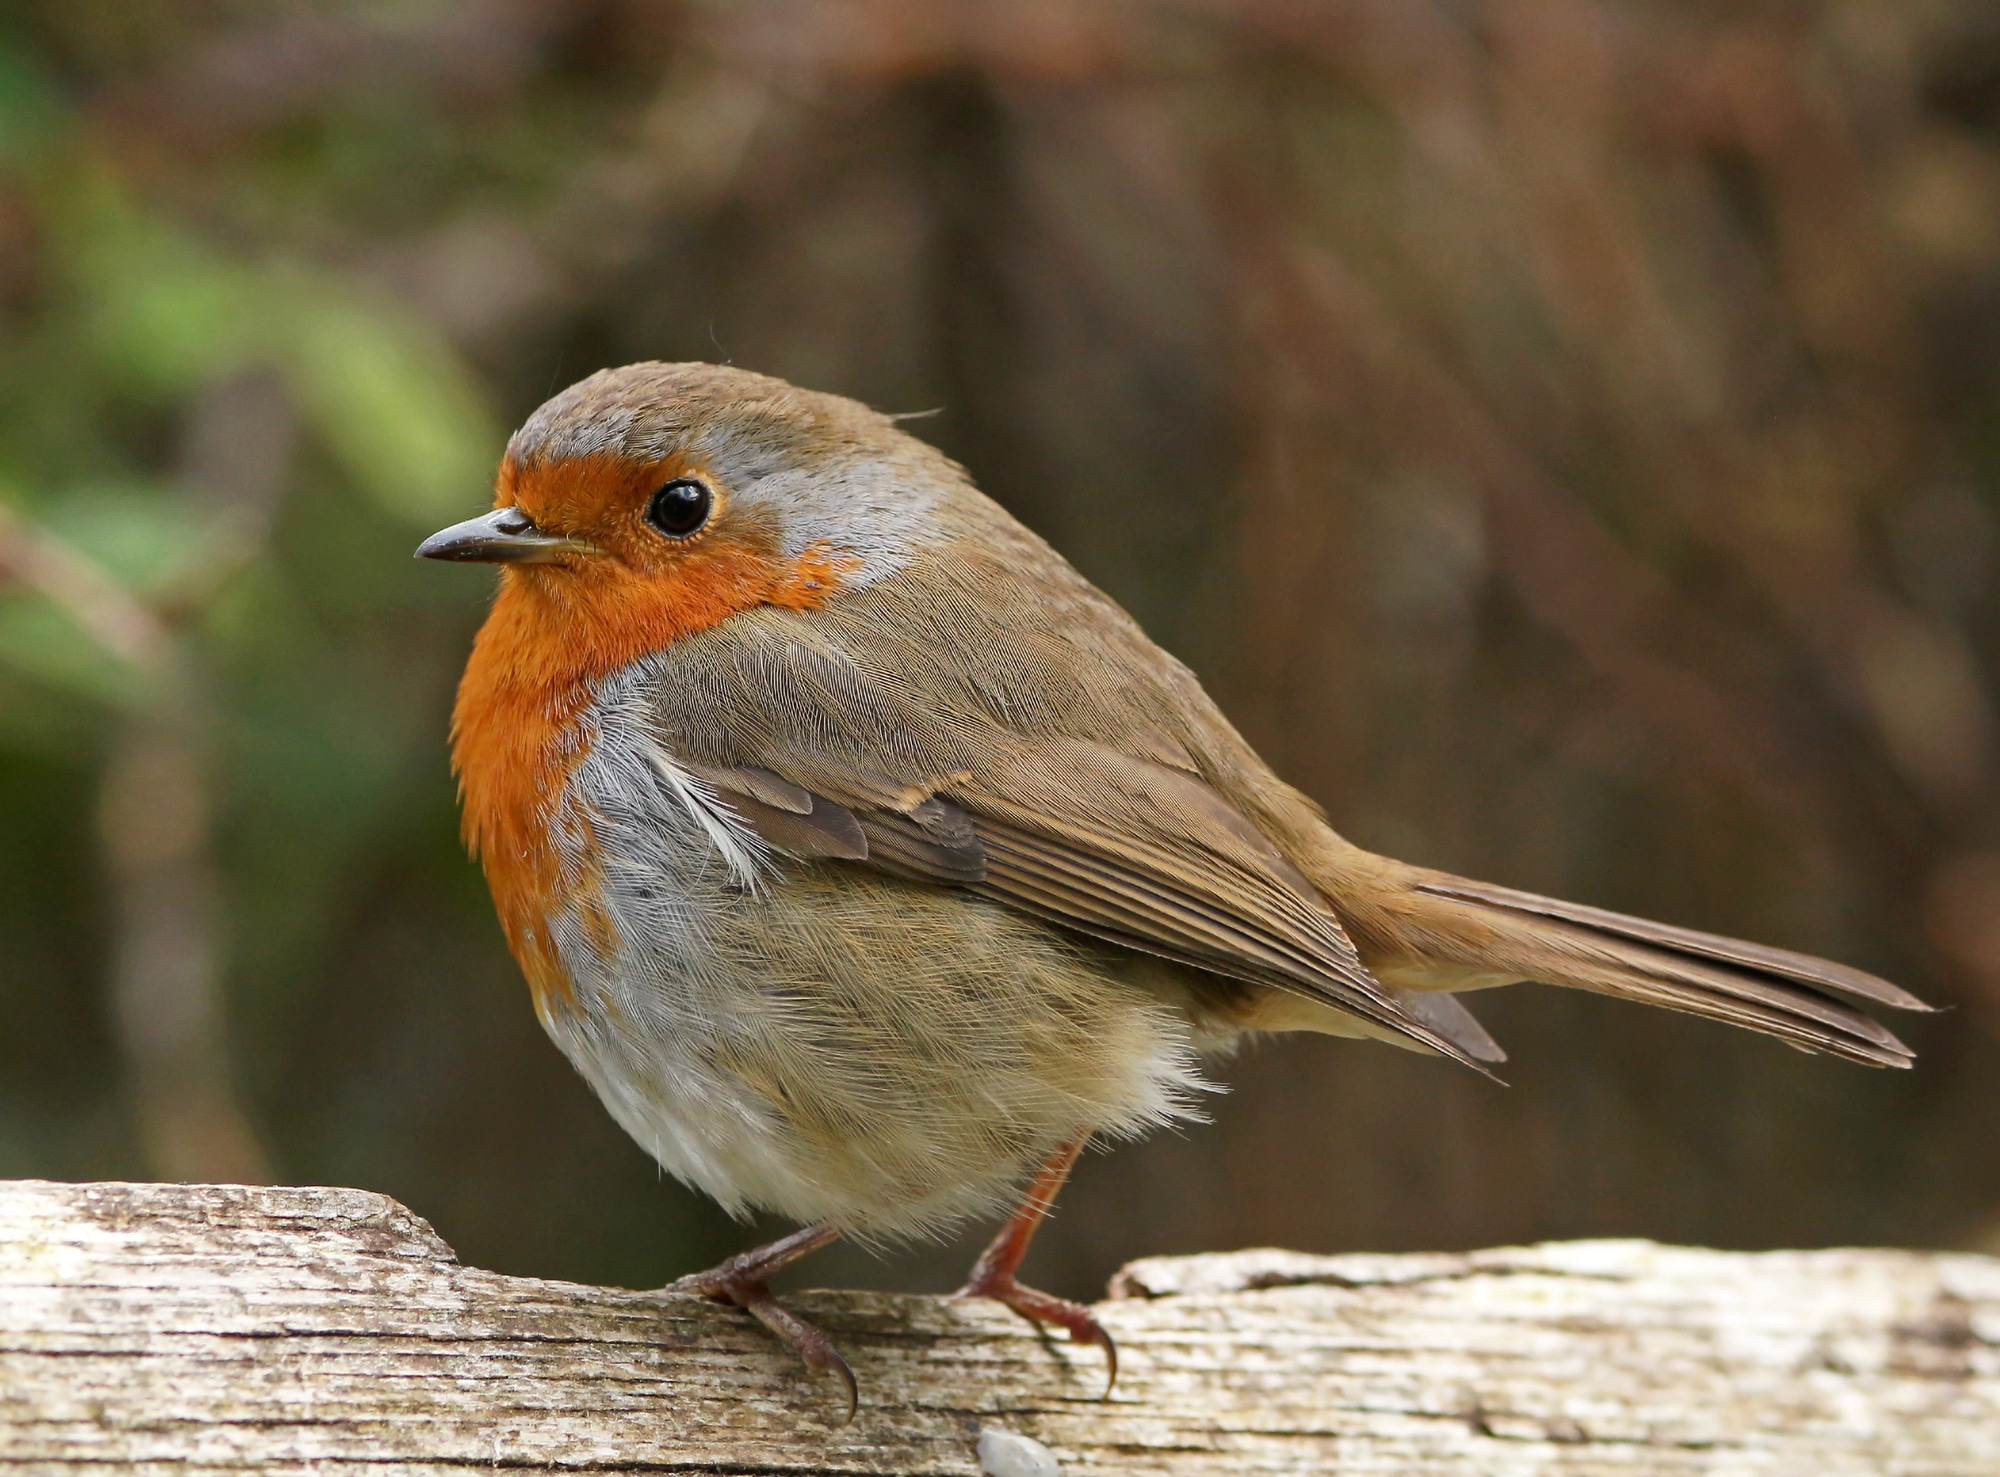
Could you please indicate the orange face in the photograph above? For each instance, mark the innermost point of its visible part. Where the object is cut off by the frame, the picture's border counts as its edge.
(638, 553)
(605, 558)
(608, 557)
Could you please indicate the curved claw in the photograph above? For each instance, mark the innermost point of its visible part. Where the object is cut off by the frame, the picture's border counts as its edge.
(741, 1281)
(837, 1364)
(818, 1351)
(1102, 1338)
(1043, 1308)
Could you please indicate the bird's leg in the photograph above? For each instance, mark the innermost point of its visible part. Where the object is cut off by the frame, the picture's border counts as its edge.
(744, 1281)
(993, 1274)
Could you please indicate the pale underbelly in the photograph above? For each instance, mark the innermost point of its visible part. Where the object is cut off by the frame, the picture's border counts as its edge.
(830, 1043)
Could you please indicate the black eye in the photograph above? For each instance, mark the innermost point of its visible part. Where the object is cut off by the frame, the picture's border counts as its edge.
(680, 508)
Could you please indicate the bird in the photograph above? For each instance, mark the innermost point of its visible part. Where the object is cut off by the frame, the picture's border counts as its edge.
(868, 861)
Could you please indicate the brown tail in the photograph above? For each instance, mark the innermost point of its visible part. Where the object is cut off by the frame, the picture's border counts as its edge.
(1449, 932)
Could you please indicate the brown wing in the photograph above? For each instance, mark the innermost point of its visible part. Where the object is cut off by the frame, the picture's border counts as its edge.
(814, 749)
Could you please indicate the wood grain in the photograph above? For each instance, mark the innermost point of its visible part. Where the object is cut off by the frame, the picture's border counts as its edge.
(209, 1327)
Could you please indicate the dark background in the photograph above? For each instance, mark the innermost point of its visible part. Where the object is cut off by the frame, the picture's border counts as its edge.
(1564, 433)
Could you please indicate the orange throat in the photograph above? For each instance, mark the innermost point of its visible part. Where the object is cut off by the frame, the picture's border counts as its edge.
(522, 721)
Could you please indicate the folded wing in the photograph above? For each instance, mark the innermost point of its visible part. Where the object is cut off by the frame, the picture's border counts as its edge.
(826, 760)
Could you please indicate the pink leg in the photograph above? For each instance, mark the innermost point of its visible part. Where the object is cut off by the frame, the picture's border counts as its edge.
(743, 1280)
(993, 1274)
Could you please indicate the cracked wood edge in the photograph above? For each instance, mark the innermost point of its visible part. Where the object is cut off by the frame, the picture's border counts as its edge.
(218, 1326)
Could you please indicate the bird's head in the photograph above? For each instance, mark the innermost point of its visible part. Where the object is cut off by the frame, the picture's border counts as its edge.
(657, 500)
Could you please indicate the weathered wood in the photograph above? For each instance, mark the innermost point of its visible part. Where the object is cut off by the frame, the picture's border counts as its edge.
(211, 1327)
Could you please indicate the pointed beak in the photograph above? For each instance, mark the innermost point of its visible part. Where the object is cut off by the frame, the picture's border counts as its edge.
(503, 536)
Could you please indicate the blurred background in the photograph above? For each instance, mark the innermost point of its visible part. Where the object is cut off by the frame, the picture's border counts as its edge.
(1565, 434)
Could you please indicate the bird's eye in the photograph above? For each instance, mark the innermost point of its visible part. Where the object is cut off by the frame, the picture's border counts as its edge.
(681, 507)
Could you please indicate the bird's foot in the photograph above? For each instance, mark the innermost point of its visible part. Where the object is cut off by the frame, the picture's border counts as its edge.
(743, 1282)
(1042, 1309)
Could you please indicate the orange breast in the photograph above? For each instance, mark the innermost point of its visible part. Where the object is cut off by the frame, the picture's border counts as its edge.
(521, 723)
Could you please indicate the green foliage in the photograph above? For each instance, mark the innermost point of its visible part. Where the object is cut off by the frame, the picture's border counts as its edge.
(408, 424)
(291, 622)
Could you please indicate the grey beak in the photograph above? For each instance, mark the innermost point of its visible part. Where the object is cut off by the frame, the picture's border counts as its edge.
(503, 536)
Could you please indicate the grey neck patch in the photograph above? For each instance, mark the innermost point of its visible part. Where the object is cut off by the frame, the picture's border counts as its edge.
(873, 509)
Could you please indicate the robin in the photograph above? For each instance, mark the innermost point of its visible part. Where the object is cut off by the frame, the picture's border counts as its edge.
(868, 861)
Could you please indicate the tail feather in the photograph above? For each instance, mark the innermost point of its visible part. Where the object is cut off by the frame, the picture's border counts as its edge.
(1797, 998)
(1803, 969)
(1451, 1020)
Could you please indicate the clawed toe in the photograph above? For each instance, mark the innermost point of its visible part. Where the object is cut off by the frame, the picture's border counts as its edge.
(993, 1274)
(741, 1282)
(807, 1340)
(1044, 1309)
(818, 1351)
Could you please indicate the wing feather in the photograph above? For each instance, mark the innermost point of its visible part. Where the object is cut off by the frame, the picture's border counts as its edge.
(1123, 846)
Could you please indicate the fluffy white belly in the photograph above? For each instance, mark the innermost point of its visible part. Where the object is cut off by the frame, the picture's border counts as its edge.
(821, 1040)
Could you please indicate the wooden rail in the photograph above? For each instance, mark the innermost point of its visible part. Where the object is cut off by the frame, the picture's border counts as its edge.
(210, 1327)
